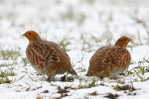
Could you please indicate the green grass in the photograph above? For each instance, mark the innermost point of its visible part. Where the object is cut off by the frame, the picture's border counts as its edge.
(4, 80)
(9, 54)
(93, 83)
(124, 87)
(4, 77)
(6, 74)
(25, 61)
(7, 69)
(64, 43)
(138, 73)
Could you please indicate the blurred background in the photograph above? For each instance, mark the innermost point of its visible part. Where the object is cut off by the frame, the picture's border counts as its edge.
(77, 25)
(80, 27)
(104, 19)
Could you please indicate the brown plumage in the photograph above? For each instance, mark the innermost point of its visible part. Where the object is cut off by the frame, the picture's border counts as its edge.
(110, 60)
(47, 57)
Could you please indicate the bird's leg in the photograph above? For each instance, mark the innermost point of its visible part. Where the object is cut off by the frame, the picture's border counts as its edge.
(67, 78)
(51, 78)
(50, 72)
(114, 76)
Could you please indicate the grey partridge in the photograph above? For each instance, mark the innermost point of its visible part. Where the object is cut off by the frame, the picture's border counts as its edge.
(46, 56)
(109, 61)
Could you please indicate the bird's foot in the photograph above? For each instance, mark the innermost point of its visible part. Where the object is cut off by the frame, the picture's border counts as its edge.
(66, 78)
(51, 78)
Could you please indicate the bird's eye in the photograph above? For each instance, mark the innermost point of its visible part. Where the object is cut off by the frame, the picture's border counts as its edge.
(29, 33)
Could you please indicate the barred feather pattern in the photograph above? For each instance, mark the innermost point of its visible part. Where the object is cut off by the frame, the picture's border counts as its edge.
(46, 57)
(110, 60)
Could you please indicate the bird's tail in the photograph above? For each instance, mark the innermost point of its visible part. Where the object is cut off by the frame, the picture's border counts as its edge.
(73, 72)
(89, 74)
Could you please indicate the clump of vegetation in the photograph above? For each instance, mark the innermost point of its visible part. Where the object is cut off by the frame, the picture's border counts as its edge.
(139, 72)
(64, 43)
(111, 96)
(87, 46)
(6, 74)
(93, 83)
(67, 79)
(7, 69)
(4, 80)
(4, 77)
(25, 61)
(9, 54)
(127, 89)
(81, 69)
(124, 87)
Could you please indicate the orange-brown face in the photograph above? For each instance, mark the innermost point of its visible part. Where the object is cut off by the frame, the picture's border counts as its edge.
(31, 35)
(123, 41)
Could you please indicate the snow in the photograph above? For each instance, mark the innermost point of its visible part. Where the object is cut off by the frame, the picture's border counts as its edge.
(57, 20)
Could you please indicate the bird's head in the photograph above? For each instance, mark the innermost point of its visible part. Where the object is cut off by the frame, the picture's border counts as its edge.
(123, 41)
(32, 35)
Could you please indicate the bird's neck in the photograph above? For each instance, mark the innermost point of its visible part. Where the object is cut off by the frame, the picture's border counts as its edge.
(35, 40)
(121, 44)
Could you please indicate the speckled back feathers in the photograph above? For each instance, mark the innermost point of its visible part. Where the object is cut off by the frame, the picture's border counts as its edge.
(110, 60)
(47, 57)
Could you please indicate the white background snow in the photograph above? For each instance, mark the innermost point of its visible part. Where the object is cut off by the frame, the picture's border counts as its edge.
(86, 25)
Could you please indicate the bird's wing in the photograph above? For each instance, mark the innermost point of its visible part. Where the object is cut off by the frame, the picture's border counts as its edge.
(110, 58)
(117, 58)
(46, 52)
(125, 58)
(52, 54)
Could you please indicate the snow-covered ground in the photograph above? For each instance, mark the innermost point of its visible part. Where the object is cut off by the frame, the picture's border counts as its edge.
(84, 26)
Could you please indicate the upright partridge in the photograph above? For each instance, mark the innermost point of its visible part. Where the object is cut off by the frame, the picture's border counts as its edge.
(46, 56)
(110, 60)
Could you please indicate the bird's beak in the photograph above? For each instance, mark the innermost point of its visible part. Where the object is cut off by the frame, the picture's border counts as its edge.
(23, 35)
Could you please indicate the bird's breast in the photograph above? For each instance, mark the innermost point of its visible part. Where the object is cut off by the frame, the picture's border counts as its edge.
(34, 55)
